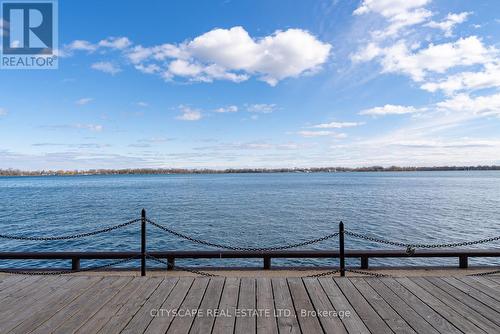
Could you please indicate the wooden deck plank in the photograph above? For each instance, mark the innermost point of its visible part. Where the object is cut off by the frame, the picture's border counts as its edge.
(467, 312)
(88, 309)
(162, 320)
(415, 320)
(210, 302)
(142, 319)
(353, 324)
(13, 289)
(386, 312)
(486, 281)
(483, 309)
(479, 285)
(27, 305)
(102, 316)
(369, 316)
(33, 292)
(182, 324)
(303, 306)
(442, 308)
(44, 309)
(98, 293)
(128, 310)
(228, 303)
(287, 323)
(482, 297)
(116, 304)
(266, 323)
(424, 310)
(321, 303)
(10, 280)
(246, 323)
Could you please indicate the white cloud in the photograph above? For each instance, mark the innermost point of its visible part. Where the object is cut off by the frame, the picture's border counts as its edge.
(119, 43)
(142, 104)
(221, 54)
(189, 114)
(389, 8)
(433, 59)
(481, 105)
(184, 68)
(116, 43)
(390, 109)
(84, 101)
(262, 108)
(227, 109)
(232, 54)
(3, 112)
(312, 134)
(90, 127)
(81, 45)
(148, 69)
(369, 52)
(106, 67)
(336, 125)
(449, 22)
(398, 13)
(489, 77)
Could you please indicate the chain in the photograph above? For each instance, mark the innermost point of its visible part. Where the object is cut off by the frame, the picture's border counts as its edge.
(411, 247)
(368, 273)
(237, 248)
(62, 272)
(486, 273)
(190, 270)
(327, 273)
(67, 237)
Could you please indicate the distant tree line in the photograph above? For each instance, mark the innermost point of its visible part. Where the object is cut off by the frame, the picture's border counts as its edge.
(127, 171)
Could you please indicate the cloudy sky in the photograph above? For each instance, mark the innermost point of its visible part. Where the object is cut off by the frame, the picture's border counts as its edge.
(260, 84)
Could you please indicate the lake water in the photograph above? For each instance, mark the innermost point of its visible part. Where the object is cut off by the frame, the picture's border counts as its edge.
(252, 210)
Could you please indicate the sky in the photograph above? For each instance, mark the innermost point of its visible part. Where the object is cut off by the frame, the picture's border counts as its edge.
(236, 84)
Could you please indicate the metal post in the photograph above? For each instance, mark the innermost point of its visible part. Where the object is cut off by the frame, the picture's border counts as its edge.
(341, 249)
(75, 264)
(364, 262)
(171, 263)
(267, 262)
(143, 242)
(463, 261)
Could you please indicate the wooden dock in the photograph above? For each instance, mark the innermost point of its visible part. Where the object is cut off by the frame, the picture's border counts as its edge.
(126, 304)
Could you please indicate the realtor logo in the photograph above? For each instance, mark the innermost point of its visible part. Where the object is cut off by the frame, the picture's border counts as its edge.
(29, 34)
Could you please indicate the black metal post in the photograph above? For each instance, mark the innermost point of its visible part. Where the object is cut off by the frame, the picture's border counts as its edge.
(171, 263)
(143, 242)
(463, 261)
(267, 262)
(341, 249)
(364, 262)
(75, 264)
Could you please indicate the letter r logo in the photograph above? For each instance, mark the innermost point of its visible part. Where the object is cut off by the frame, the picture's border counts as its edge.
(28, 28)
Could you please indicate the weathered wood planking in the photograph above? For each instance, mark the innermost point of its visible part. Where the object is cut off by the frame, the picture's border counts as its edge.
(121, 304)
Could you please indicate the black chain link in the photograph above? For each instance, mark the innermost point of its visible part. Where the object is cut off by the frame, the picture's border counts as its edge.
(67, 237)
(190, 270)
(486, 273)
(411, 247)
(368, 273)
(238, 248)
(327, 273)
(206, 274)
(62, 272)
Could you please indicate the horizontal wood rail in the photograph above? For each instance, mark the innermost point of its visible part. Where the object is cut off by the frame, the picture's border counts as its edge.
(363, 255)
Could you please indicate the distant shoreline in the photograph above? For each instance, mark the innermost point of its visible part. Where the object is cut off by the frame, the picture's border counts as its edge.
(166, 171)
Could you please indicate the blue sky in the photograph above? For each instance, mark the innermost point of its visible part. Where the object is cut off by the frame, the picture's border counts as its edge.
(260, 84)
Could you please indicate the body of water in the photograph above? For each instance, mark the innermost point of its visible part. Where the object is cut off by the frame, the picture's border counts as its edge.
(252, 210)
